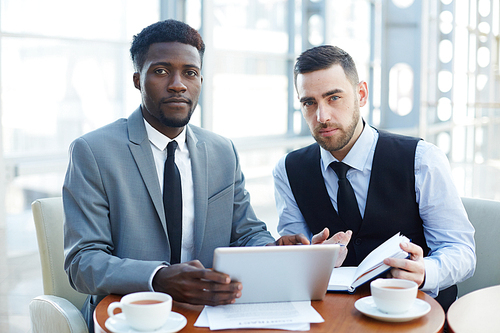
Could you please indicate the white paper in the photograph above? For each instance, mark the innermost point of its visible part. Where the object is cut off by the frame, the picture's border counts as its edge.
(342, 276)
(389, 248)
(280, 315)
(202, 321)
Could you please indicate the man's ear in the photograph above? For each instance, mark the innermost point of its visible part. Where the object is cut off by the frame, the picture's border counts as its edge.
(137, 80)
(362, 93)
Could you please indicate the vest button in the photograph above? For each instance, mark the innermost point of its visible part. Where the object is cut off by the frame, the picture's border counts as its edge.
(358, 241)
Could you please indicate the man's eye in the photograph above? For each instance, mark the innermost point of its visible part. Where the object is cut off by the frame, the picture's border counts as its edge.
(160, 71)
(192, 73)
(308, 103)
(334, 98)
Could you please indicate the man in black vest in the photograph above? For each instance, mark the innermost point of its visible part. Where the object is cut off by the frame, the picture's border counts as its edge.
(398, 183)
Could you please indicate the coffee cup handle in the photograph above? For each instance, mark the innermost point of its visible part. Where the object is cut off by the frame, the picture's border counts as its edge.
(112, 307)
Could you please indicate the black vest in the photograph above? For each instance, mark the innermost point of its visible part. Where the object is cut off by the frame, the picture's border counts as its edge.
(391, 205)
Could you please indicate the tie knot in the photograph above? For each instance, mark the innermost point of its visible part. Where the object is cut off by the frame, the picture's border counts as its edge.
(172, 145)
(340, 169)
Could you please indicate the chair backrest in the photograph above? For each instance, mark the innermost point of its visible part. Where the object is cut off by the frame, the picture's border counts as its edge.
(485, 217)
(49, 216)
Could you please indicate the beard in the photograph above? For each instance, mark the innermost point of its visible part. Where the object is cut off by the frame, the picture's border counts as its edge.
(170, 121)
(333, 144)
(174, 122)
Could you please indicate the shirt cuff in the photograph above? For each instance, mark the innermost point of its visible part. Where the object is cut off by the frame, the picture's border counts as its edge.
(153, 275)
(431, 284)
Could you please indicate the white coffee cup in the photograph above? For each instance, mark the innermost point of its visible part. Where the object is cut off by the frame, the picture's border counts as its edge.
(393, 295)
(143, 311)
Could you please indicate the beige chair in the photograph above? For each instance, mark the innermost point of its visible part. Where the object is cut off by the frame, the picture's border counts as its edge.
(58, 309)
(485, 217)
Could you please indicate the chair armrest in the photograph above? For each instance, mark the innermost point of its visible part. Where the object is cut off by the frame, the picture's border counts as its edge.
(50, 313)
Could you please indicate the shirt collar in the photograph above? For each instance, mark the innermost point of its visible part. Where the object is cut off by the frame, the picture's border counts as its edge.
(161, 141)
(359, 153)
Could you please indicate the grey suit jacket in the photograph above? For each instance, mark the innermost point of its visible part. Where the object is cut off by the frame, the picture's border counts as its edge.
(115, 229)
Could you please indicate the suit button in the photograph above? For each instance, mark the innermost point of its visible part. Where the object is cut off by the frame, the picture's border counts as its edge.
(358, 241)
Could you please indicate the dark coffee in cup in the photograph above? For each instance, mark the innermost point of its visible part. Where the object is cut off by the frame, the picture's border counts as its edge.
(146, 302)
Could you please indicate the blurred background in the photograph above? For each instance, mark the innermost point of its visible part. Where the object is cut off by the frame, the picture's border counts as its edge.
(432, 68)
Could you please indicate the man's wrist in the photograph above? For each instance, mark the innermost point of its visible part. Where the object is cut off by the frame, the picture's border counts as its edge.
(423, 283)
(151, 279)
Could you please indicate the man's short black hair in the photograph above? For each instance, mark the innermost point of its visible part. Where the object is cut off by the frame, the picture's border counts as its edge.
(323, 57)
(164, 32)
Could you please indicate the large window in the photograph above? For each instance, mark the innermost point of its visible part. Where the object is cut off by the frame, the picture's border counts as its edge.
(250, 74)
(64, 70)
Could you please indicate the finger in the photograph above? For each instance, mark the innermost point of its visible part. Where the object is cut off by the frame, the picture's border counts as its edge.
(195, 263)
(414, 250)
(211, 293)
(342, 237)
(407, 275)
(301, 239)
(213, 276)
(214, 298)
(341, 257)
(407, 269)
(348, 236)
(397, 273)
(233, 287)
(403, 264)
(416, 274)
(321, 236)
(293, 240)
(194, 270)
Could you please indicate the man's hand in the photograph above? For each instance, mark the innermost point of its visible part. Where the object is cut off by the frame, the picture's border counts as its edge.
(340, 237)
(190, 282)
(412, 269)
(296, 239)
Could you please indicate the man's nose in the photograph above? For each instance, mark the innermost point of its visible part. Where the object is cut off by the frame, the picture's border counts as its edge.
(322, 114)
(175, 83)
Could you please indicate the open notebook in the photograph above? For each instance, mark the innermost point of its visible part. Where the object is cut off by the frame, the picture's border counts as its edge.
(349, 278)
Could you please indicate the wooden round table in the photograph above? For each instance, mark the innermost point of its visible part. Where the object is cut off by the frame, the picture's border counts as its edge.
(478, 311)
(337, 309)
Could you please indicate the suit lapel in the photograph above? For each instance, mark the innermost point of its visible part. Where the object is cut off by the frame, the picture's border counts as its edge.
(141, 151)
(140, 148)
(199, 164)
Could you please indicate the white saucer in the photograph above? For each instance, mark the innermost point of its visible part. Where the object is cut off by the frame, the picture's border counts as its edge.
(367, 306)
(175, 323)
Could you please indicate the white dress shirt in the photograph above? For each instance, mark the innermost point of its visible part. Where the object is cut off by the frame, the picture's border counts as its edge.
(447, 230)
(159, 144)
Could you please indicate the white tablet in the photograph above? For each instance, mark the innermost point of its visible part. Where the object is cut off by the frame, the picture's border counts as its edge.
(278, 273)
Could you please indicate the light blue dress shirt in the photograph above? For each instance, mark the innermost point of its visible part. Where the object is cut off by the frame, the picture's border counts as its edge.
(447, 230)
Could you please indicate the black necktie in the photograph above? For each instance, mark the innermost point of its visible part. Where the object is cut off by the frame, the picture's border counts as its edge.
(172, 202)
(347, 206)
